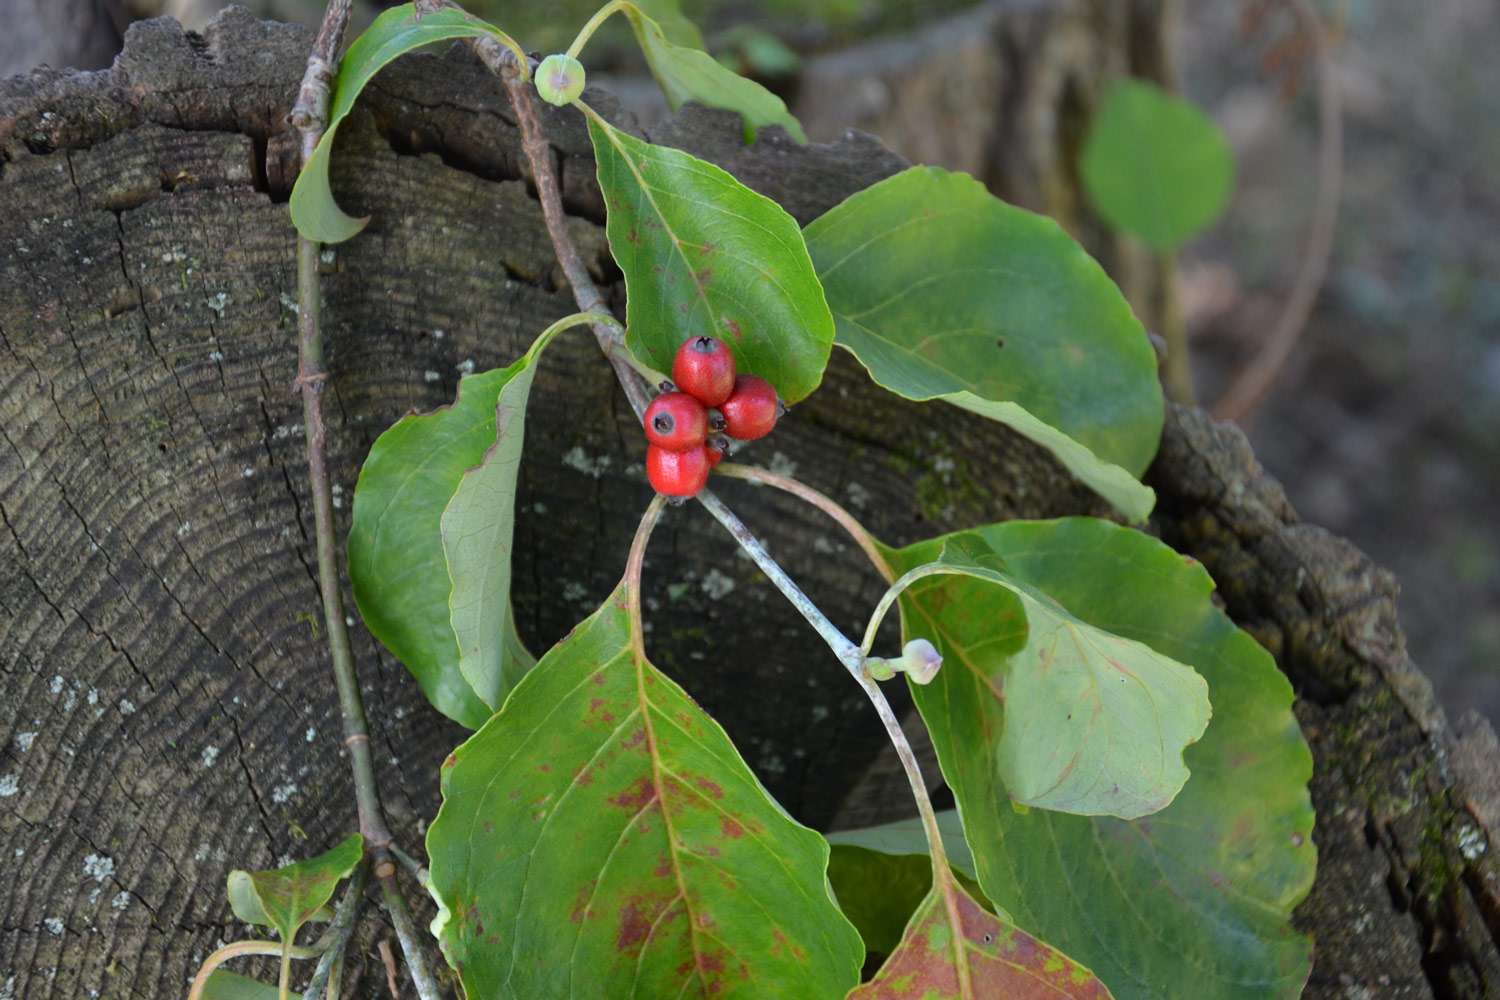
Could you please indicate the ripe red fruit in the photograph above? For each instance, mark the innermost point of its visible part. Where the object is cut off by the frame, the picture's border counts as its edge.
(750, 411)
(677, 473)
(676, 421)
(704, 367)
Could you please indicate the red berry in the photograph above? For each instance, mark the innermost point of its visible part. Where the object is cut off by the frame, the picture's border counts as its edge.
(704, 367)
(677, 473)
(750, 412)
(676, 421)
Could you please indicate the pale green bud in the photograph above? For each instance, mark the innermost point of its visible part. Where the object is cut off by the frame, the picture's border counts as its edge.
(559, 79)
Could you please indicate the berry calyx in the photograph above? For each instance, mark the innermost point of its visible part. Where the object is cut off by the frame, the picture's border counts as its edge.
(559, 79)
(678, 474)
(704, 367)
(676, 421)
(718, 447)
(751, 410)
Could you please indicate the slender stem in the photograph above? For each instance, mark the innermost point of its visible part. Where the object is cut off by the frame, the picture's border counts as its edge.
(338, 934)
(827, 505)
(843, 647)
(633, 564)
(415, 868)
(592, 26)
(1179, 373)
(894, 591)
(235, 950)
(585, 292)
(309, 116)
(1251, 384)
(416, 960)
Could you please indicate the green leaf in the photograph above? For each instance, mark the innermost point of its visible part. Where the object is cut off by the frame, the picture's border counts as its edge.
(689, 74)
(1002, 962)
(938, 288)
(286, 898)
(705, 255)
(600, 837)
(1194, 900)
(225, 985)
(477, 527)
(1155, 165)
(397, 562)
(1087, 722)
(396, 31)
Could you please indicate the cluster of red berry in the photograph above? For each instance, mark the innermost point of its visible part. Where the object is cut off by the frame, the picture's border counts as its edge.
(710, 398)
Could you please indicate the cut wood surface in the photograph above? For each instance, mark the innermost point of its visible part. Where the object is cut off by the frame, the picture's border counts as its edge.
(168, 712)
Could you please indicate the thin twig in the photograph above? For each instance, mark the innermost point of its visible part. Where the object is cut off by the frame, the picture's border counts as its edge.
(340, 929)
(585, 292)
(309, 116)
(1251, 384)
(416, 959)
(826, 504)
(1178, 373)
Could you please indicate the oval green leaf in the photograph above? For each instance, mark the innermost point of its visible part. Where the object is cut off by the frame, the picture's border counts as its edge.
(705, 255)
(600, 837)
(937, 287)
(1155, 165)
(286, 898)
(225, 985)
(1194, 900)
(688, 74)
(1001, 962)
(397, 563)
(396, 31)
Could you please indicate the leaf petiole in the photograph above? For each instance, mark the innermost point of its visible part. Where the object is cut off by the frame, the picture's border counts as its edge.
(600, 16)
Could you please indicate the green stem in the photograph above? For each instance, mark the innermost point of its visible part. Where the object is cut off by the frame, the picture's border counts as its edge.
(593, 25)
(1179, 367)
(224, 954)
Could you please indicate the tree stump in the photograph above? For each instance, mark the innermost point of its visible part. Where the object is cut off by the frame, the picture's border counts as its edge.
(169, 712)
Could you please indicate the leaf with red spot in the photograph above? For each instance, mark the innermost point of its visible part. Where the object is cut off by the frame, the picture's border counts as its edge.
(1194, 900)
(987, 959)
(703, 255)
(600, 837)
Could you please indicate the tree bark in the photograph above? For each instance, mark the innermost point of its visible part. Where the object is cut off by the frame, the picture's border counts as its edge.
(168, 711)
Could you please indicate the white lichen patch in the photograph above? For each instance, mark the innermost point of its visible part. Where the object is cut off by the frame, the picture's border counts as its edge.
(717, 585)
(57, 684)
(823, 546)
(217, 302)
(53, 924)
(431, 376)
(858, 495)
(247, 472)
(210, 754)
(311, 734)
(1471, 843)
(577, 458)
(99, 866)
(10, 784)
(283, 793)
(466, 366)
(575, 591)
(25, 740)
(121, 900)
(127, 707)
